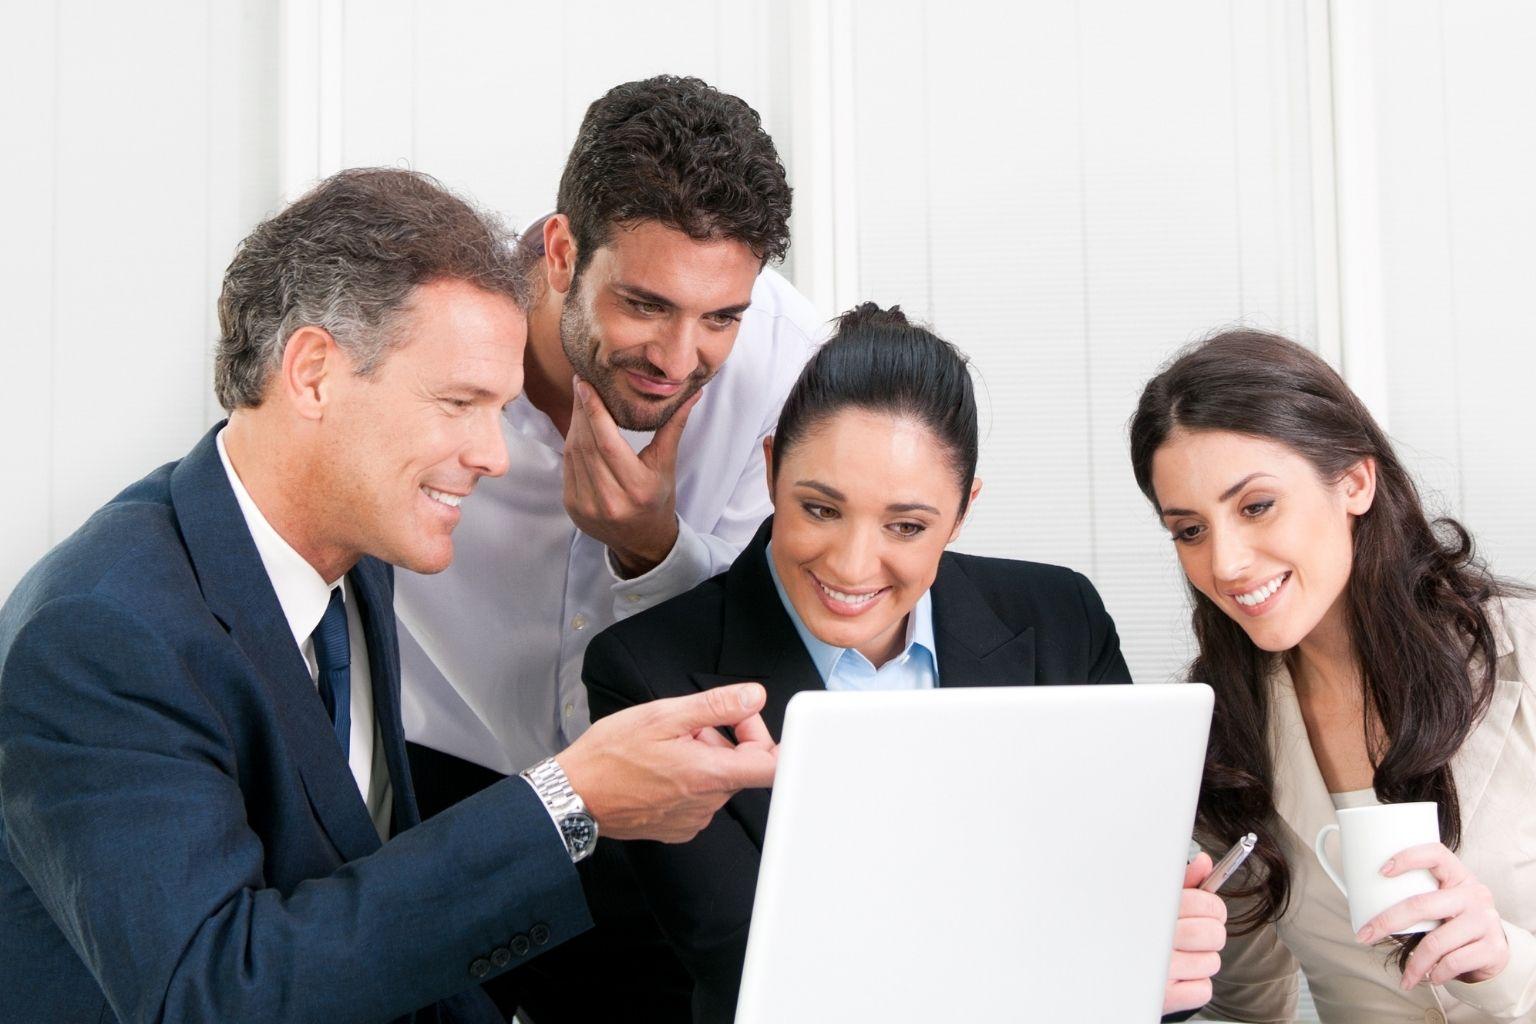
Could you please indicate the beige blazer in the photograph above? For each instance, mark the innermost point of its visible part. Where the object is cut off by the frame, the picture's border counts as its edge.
(1495, 773)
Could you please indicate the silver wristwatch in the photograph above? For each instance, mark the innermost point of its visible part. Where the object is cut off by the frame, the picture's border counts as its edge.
(577, 827)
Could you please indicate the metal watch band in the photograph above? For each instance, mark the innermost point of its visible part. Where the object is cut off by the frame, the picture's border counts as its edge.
(565, 807)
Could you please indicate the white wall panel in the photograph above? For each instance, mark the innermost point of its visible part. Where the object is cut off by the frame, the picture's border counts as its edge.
(145, 164)
(131, 233)
(376, 59)
(1490, 84)
(28, 89)
(492, 121)
(1446, 90)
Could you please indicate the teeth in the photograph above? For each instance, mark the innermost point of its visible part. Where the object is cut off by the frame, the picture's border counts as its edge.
(848, 599)
(1262, 594)
(451, 500)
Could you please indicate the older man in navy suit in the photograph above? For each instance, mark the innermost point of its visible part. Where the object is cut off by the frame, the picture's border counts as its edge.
(205, 804)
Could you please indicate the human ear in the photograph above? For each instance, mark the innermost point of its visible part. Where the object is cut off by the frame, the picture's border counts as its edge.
(970, 506)
(1359, 487)
(559, 253)
(311, 360)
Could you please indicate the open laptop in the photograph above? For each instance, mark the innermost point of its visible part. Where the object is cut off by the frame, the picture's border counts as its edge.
(984, 854)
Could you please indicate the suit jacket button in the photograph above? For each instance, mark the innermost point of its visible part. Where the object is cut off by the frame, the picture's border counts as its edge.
(480, 968)
(539, 933)
(501, 956)
(520, 945)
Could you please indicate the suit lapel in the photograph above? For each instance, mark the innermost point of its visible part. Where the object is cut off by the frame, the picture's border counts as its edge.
(758, 641)
(235, 585)
(1301, 795)
(976, 648)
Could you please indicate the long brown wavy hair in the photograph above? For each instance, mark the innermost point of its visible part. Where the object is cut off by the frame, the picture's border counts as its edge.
(1417, 600)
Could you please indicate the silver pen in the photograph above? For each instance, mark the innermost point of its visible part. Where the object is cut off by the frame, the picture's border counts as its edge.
(1229, 863)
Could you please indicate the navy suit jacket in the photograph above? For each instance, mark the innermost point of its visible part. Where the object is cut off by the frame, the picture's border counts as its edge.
(182, 838)
(996, 622)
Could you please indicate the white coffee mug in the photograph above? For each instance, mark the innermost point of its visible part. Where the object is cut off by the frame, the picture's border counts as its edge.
(1368, 838)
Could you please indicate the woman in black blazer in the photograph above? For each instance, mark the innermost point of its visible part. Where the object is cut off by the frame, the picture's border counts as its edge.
(872, 470)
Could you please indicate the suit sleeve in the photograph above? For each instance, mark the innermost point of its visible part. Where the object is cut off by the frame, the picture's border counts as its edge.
(700, 892)
(123, 810)
(1106, 663)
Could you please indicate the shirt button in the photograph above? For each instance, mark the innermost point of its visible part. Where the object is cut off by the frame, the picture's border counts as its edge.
(570, 709)
(632, 598)
(1434, 1017)
(579, 622)
(480, 968)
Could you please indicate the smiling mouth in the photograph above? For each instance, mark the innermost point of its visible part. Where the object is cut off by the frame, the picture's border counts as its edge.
(443, 497)
(848, 599)
(658, 386)
(1259, 596)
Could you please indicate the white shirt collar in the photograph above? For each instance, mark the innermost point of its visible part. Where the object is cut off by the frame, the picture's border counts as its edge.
(301, 592)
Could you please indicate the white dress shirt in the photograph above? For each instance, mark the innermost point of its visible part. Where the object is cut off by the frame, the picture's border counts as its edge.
(491, 649)
(303, 595)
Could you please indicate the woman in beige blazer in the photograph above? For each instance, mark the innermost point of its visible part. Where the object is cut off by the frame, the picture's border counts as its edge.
(1359, 654)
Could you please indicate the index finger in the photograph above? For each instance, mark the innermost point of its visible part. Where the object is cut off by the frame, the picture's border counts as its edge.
(1441, 862)
(754, 730)
(1198, 870)
(607, 441)
(662, 451)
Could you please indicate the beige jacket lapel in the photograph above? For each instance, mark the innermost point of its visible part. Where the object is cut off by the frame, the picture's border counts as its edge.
(1474, 763)
(1301, 796)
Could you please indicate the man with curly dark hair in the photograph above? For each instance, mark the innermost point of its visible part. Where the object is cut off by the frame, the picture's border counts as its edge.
(652, 270)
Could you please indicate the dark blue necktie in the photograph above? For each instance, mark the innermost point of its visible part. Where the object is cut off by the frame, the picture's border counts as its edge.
(333, 656)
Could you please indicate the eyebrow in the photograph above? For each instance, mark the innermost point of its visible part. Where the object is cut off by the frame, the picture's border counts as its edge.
(1225, 495)
(646, 295)
(837, 495)
(472, 390)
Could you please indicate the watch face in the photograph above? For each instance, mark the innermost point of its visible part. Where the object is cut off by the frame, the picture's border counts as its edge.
(580, 832)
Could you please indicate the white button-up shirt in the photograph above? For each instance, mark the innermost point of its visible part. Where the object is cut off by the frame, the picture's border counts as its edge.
(491, 649)
(303, 596)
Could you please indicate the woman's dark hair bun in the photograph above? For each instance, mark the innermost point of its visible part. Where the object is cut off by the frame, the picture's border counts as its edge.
(870, 314)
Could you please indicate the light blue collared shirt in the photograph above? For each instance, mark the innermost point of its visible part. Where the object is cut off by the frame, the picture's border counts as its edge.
(843, 668)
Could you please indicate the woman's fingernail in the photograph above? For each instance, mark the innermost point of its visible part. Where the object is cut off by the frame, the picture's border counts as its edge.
(1386, 868)
(1364, 934)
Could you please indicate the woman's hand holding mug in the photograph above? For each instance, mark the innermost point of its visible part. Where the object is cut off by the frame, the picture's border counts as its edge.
(1469, 944)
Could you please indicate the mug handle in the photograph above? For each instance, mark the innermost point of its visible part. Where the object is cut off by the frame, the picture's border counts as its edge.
(1322, 858)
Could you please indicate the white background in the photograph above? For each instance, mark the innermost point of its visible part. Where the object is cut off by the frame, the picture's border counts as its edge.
(1069, 191)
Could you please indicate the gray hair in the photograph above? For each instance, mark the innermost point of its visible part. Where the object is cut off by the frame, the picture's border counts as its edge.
(347, 257)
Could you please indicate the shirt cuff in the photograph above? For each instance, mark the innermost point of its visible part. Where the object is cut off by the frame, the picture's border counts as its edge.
(1510, 994)
(554, 822)
(685, 567)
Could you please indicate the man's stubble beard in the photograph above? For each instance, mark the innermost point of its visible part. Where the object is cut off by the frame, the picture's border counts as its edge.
(580, 342)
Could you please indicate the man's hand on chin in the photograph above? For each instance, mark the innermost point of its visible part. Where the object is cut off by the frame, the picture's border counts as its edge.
(1197, 942)
(624, 499)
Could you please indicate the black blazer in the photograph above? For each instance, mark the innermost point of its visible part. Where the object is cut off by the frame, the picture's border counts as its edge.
(996, 622)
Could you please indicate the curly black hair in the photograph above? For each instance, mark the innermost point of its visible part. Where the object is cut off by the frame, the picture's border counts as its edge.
(681, 152)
